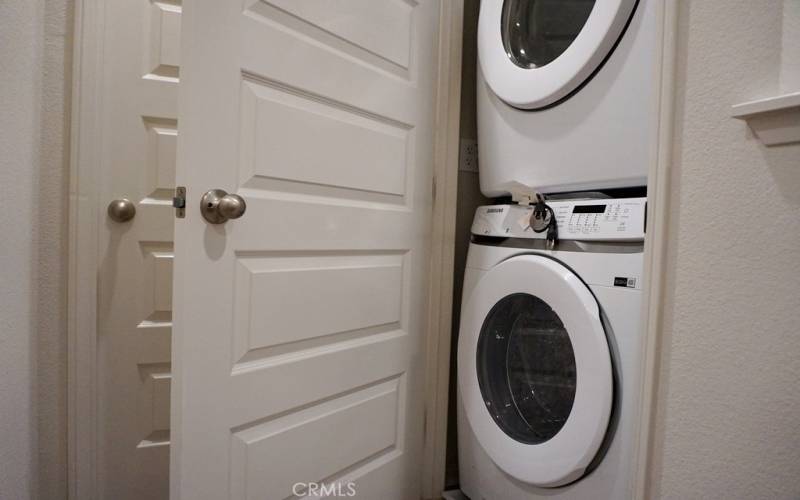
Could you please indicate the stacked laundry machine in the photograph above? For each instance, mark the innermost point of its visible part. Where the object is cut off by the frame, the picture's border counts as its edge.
(550, 339)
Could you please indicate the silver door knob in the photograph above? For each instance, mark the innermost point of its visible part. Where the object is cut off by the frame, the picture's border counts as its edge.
(121, 210)
(217, 206)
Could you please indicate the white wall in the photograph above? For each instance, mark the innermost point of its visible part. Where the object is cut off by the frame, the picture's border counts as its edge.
(34, 91)
(730, 396)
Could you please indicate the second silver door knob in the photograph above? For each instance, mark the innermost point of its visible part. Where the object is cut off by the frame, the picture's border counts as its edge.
(217, 206)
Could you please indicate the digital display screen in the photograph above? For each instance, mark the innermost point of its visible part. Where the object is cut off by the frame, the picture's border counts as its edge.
(588, 209)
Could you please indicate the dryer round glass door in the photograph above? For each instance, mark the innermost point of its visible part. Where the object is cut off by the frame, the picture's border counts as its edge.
(534, 53)
(534, 370)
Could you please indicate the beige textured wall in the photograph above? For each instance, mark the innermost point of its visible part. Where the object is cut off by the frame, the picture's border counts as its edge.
(729, 413)
(35, 63)
(790, 40)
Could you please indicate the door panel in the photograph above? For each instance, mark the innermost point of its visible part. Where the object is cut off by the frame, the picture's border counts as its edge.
(376, 32)
(382, 27)
(299, 327)
(139, 114)
(307, 300)
(364, 152)
(366, 419)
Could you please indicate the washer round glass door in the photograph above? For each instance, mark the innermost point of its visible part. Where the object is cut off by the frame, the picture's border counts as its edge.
(534, 370)
(535, 52)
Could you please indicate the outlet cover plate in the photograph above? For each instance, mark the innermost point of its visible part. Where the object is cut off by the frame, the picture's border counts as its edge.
(468, 156)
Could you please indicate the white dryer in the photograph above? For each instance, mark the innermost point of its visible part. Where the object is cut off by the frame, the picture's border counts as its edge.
(566, 93)
(548, 353)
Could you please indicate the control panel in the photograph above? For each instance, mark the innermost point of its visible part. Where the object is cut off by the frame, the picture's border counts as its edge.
(613, 219)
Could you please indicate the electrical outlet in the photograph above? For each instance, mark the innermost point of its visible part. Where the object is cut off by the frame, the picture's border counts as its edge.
(468, 156)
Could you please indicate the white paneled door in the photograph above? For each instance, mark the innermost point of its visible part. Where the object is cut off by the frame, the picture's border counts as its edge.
(138, 116)
(297, 350)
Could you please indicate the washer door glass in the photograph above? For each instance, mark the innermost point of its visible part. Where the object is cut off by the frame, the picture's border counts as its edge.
(526, 368)
(537, 31)
(534, 53)
(534, 368)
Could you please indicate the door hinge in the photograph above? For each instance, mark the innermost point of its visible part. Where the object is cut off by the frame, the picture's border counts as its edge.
(179, 202)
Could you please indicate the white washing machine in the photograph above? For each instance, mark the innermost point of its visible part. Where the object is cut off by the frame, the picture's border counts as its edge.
(566, 93)
(548, 353)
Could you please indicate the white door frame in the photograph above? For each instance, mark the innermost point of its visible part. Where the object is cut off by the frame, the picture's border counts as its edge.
(85, 157)
(440, 304)
(655, 243)
(84, 213)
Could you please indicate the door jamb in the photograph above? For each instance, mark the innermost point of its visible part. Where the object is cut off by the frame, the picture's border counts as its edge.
(655, 251)
(85, 158)
(440, 290)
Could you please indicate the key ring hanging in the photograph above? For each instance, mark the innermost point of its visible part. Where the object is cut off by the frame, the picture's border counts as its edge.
(544, 219)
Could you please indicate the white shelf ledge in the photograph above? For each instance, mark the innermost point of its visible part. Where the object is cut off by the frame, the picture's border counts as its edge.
(774, 120)
(777, 103)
